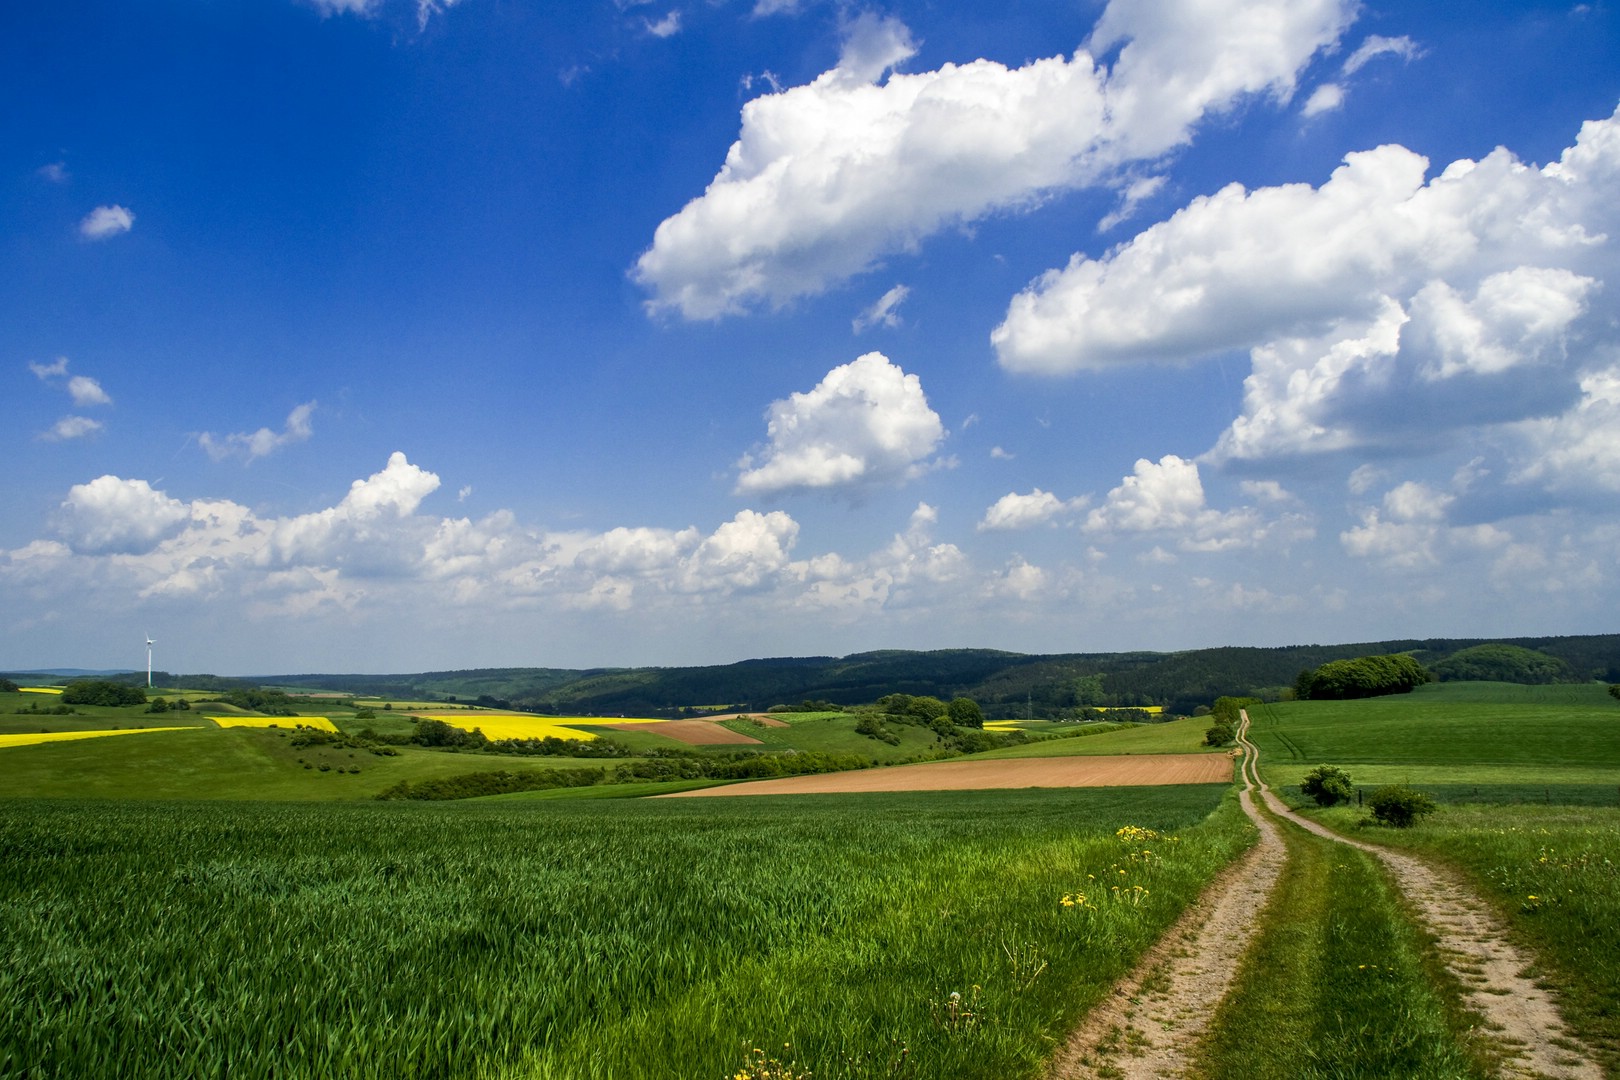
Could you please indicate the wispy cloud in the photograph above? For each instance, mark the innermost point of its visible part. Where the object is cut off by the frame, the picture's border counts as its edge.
(71, 427)
(105, 222)
(86, 393)
(668, 26)
(885, 312)
(257, 444)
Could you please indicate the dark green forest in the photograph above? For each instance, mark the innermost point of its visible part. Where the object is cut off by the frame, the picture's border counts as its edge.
(1005, 684)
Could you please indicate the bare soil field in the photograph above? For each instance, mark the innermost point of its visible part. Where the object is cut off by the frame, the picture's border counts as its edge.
(692, 732)
(1140, 770)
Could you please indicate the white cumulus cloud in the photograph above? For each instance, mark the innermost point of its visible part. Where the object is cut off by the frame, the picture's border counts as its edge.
(111, 514)
(827, 179)
(1015, 511)
(87, 391)
(1385, 309)
(867, 423)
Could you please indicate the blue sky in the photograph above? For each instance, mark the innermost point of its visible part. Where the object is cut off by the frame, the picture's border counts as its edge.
(370, 335)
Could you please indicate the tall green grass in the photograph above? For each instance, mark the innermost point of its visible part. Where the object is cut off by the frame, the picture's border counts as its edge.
(614, 939)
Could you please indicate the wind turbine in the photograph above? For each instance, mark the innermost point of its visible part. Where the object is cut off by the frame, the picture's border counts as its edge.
(149, 644)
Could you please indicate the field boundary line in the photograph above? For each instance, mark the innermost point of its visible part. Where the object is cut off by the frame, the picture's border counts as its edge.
(1524, 1023)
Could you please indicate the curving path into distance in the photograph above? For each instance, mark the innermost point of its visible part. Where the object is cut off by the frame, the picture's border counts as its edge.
(1150, 1026)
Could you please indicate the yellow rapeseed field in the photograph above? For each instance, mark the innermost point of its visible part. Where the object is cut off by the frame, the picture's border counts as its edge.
(37, 737)
(320, 722)
(524, 726)
(40, 689)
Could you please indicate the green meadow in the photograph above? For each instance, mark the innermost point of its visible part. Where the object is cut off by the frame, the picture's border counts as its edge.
(878, 935)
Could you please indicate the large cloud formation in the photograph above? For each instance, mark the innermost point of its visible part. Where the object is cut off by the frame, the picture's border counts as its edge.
(1383, 310)
(825, 180)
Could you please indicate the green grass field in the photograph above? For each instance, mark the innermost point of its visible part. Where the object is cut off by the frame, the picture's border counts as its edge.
(621, 938)
(1184, 736)
(1463, 742)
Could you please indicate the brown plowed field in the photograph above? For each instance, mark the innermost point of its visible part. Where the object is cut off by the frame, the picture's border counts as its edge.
(1132, 771)
(693, 732)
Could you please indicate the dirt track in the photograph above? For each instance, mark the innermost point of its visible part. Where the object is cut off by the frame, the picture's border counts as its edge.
(1151, 1024)
(1134, 771)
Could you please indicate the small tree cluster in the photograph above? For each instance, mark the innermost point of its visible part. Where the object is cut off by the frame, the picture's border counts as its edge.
(930, 711)
(101, 692)
(1363, 677)
(1327, 784)
(1220, 734)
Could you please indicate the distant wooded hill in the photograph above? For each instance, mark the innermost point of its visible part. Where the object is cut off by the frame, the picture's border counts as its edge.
(1005, 684)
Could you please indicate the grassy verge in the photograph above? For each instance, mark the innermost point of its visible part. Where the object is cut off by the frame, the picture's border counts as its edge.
(1338, 983)
(624, 939)
(1553, 872)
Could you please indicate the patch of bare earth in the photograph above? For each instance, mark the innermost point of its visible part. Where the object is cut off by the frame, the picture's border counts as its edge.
(691, 732)
(1522, 1020)
(1141, 770)
(762, 719)
(1148, 1026)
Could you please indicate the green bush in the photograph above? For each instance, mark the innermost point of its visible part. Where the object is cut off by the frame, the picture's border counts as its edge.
(1399, 806)
(965, 712)
(1221, 734)
(1327, 784)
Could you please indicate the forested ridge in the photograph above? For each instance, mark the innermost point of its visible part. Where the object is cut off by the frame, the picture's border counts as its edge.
(1005, 684)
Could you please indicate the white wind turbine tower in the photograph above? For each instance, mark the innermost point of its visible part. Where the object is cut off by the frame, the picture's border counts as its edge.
(149, 644)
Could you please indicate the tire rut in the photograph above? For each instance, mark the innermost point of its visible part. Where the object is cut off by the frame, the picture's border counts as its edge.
(1151, 1021)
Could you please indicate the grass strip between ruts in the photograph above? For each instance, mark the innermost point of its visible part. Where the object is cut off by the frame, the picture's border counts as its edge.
(1338, 983)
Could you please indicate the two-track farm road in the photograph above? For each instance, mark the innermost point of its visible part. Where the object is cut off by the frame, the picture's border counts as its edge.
(1150, 1027)
(1525, 1022)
